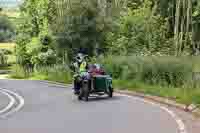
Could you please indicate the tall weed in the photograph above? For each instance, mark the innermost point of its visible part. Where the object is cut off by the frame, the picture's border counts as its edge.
(164, 71)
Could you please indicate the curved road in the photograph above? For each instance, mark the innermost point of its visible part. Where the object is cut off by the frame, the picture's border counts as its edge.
(52, 109)
(4, 100)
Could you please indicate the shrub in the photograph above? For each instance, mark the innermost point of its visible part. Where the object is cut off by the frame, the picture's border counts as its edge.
(41, 50)
(3, 58)
(5, 51)
(19, 72)
(141, 32)
(57, 73)
(23, 57)
(165, 71)
(6, 29)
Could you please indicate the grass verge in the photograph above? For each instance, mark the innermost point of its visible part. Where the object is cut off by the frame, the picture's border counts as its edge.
(9, 46)
(59, 73)
(185, 96)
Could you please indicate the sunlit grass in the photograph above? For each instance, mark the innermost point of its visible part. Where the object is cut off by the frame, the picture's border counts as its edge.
(10, 13)
(9, 46)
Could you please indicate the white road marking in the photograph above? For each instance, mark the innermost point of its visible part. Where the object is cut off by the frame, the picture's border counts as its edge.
(181, 125)
(10, 104)
(18, 107)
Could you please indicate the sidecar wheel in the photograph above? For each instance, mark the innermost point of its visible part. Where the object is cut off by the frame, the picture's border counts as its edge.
(110, 94)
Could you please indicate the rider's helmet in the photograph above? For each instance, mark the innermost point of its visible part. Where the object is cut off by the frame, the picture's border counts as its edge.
(80, 58)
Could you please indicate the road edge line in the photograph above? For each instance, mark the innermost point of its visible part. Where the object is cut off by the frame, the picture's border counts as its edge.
(19, 106)
(10, 104)
(180, 124)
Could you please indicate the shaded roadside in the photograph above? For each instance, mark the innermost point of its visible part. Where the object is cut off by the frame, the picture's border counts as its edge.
(4, 74)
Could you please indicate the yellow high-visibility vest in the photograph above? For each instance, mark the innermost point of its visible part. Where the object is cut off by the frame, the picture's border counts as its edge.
(83, 67)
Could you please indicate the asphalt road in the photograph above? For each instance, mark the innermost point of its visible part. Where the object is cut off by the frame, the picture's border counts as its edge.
(4, 101)
(52, 109)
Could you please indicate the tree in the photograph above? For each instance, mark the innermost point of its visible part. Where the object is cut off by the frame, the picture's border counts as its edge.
(196, 28)
(7, 29)
(83, 24)
(34, 41)
(141, 31)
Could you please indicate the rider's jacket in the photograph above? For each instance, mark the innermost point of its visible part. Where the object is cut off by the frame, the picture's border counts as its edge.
(82, 67)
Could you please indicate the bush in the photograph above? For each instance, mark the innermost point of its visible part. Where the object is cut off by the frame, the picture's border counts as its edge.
(6, 57)
(141, 32)
(57, 73)
(6, 29)
(164, 71)
(23, 57)
(41, 50)
(3, 58)
(19, 72)
(5, 51)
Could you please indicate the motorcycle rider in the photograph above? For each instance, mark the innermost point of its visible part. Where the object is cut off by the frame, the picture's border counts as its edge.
(82, 66)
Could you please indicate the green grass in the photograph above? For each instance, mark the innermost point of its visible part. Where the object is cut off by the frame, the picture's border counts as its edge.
(11, 13)
(196, 64)
(18, 72)
(164, 71)
(58, 73)
(146, 75)
(9, 46)
(181, 95)
(11, 59)
(5, 67)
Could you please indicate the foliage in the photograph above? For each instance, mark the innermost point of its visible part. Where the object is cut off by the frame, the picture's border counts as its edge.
(184, 96)
(18, 72)
(7, 54)
(7, 29)
(141, 31)
(57, 73)
(3, 58)
(22, 56)
(41, 50)
(35, 45)
(50, 32)
(164, 71)
(35, 15)
(82, 26)
(5, 51)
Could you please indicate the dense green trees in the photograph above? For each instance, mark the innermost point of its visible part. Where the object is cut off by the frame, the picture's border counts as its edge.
(179, 23)
(7, 30)
(72, 25)
(83, 24)
(142, 27)
(141, 31)
(35, 45)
